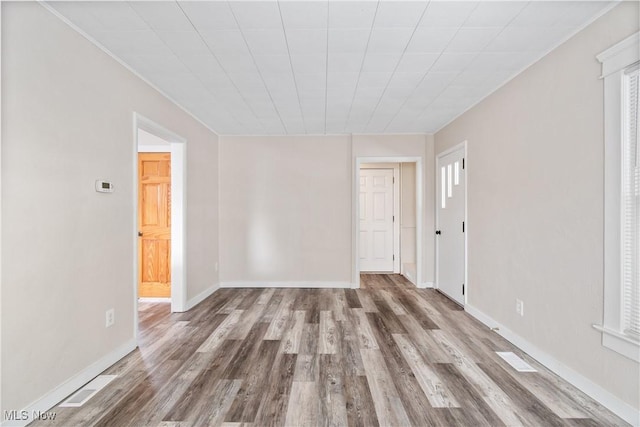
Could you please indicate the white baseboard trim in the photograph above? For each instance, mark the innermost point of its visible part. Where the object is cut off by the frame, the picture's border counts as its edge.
(604, 397)
(201, 296)
(150, 299)
(409, 277)
(291, 284)
(48, 401)
(425, 285)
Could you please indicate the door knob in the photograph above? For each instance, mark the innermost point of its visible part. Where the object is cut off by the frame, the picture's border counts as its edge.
(438, 232)
(139, 233)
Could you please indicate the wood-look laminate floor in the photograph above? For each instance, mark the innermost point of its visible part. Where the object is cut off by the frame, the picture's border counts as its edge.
(387, 354)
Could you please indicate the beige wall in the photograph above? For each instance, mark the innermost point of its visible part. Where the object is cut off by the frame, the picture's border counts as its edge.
(285, 209)
(67, 251)
(535, 204)
(286, 204)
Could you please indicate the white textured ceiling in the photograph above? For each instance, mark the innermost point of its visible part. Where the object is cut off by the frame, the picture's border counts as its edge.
(311, 67)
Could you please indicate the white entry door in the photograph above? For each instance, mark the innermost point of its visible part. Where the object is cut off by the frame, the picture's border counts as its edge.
(376, 220)
(450, 229)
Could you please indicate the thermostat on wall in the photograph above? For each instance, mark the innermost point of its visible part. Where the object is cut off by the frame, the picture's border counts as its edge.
(104, 186)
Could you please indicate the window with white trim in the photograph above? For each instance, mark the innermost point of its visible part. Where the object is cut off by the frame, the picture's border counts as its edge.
(621, 322)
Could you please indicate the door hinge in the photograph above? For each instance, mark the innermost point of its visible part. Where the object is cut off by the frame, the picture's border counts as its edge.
(393, 180)
(463, 226)
(463, 163)
(463, 289)
(393, 218)
(393, 257)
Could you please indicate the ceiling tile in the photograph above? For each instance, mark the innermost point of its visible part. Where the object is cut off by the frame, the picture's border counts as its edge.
(209, 15)
(417, 62)
(399, 13)
(311, 82)
(493, 61)
(184, 42)
(342, 80)
(256, 14)
(308, 63)
(266, 42)
(374, 79)
(528, 39)
(402, 79)
(280, 83)
(581, 12)
(453, 62)
(447, 13)
(313, 108)
(494, 13)
(472, 76)
(434, 83)
(247, 80)
(389, 40)
(389, 105)
(399, 92)
(215, 81)
(236, 62)
(273, 63)
(304, 14)
(348, 39)
(162, 16)
(339, 101)
(345, 62)
(225, 41)
(258, 95)
(352, 14)
(367, 97)
(307, 41)
(431, 40)
(202, 63)
(542, 13)
(380, 62)
(472, 39)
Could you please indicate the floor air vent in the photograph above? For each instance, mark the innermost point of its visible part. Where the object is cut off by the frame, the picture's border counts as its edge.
(80, 397)
(517, 363)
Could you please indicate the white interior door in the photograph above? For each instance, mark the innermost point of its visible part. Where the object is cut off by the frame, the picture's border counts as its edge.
(376, 220)
(450, 230)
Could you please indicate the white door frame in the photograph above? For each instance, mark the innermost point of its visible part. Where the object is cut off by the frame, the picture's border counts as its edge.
(355, 208)
(178, 150)
(446, 152)
(396, 207)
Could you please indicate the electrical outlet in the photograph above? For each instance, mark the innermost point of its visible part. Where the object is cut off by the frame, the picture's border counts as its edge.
(110, 316)
(519, 307)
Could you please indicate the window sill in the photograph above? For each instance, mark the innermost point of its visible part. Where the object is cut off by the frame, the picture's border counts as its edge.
(619, 343)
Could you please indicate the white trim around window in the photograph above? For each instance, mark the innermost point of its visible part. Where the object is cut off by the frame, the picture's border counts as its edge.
(615, 61)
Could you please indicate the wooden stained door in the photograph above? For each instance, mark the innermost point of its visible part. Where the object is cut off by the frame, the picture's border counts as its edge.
(154, 224)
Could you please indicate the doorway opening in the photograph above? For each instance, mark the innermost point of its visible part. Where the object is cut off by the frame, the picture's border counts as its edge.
(163, 249)
(387, 208)
(451, 223)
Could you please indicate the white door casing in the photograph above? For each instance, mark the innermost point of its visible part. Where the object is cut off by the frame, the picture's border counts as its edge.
(376, 220)
(450, 228)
